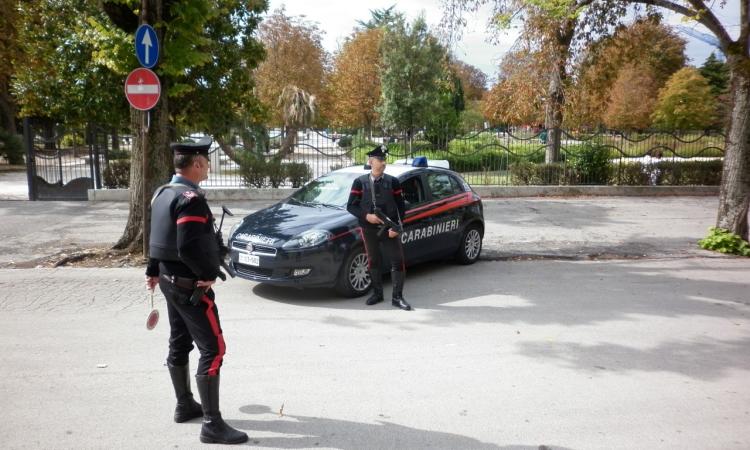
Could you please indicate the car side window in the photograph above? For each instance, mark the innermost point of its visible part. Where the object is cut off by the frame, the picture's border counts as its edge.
(442, 185)
(413, 192)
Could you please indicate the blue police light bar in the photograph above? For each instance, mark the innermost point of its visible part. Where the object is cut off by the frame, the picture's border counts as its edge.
(419, 161)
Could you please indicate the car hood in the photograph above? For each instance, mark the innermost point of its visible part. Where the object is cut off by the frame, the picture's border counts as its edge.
(283, 221)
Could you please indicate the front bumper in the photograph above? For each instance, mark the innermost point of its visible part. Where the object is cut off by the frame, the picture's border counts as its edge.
(276, 266)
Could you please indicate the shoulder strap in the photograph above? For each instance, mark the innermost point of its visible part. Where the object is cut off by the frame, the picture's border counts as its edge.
(177, 187)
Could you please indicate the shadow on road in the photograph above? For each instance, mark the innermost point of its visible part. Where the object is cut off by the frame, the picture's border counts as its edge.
(311, 432)
(571, 294)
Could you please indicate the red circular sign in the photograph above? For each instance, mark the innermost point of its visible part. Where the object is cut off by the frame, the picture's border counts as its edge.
(142, 89)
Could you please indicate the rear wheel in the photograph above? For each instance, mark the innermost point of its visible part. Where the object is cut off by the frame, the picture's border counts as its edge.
(471, 245)
(354, 278)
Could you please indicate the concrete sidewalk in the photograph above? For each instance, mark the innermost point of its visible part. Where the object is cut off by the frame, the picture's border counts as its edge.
(516, 228)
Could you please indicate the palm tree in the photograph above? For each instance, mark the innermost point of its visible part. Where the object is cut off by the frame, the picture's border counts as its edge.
(298, 110)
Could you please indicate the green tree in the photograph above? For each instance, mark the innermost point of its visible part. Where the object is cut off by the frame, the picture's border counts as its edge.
(551, 29)
(64, 45)
(413, 66)
(444, 121)
(646, 46)
(382, 18)
(207, 50)
(685, 102)
(9, 54)
(717, 74)
(735, 188)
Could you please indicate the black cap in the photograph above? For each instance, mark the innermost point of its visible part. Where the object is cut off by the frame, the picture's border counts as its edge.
(378, 152)
(192, 148)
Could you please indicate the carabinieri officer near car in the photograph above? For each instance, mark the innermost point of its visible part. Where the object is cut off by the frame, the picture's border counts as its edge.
(184, 261)
(379, 191)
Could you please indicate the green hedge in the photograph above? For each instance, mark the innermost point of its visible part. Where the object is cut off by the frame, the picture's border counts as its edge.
(557, 174)
(11, 147)
(669, 173)
(257, 171)
(117, 174)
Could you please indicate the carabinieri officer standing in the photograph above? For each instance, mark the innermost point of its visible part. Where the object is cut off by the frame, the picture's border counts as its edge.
(184, 261)
(382, 191)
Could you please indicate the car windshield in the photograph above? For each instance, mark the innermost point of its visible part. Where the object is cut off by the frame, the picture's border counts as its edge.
(329, 190)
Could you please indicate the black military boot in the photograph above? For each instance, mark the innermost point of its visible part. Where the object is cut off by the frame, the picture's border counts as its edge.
(377, 287)
(397, 300)
(214, 429)
(187, 408)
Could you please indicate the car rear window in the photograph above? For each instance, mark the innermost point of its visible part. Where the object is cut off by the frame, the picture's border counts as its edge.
(442, 185)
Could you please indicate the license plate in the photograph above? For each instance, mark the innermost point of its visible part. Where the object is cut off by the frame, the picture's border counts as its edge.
(250, 260)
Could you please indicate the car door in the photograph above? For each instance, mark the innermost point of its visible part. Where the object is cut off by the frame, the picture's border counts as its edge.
(436, 225)
(415, 198)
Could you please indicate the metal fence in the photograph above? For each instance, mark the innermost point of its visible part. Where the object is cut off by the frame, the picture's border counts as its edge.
(503, 156)
(62, 164)
(61, 159)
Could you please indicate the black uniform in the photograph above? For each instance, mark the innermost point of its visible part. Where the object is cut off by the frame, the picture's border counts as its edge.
(183, 249)
(386, 194)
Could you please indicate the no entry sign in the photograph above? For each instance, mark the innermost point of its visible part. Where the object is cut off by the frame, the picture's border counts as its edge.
(142, 89)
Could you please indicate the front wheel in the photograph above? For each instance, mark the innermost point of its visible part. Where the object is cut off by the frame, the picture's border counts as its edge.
(354, 277)
(470, 246)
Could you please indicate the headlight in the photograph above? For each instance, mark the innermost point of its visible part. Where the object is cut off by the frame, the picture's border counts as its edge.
(309, 238)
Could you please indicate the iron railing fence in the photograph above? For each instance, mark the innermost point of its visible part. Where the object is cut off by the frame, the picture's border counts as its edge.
(501, 156)
(493, 156)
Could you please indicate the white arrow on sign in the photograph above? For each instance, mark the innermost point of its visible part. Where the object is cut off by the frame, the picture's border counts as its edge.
(146, 41)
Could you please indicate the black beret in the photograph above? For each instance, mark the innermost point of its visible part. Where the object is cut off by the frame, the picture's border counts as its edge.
(192, 148)
(378, 152)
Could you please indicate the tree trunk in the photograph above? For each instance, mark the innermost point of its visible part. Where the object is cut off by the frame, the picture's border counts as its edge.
(228, 149)
(7, 110)
(287, 143)
(160, 168)
(115, 139)
(159, 156)
(556, 95)
(735, 181)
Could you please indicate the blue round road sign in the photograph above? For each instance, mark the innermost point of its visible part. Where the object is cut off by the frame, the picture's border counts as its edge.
(146, 46)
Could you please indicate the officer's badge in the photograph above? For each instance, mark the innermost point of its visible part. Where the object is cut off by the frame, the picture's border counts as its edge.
(190, 195)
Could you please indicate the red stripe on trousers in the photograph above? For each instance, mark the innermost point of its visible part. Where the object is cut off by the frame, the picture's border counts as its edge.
(362, 234)
(192, 219)
(216, 363)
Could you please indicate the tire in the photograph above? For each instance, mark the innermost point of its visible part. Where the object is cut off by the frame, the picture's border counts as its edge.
(354, 277)
(471, 245)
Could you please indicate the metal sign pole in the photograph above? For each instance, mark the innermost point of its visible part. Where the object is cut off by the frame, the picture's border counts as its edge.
(144, 186)
(144, 143)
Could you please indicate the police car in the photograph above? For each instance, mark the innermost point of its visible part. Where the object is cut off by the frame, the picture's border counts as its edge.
(310, 240)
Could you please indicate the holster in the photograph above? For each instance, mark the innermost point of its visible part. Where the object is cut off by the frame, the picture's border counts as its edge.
(197, 295)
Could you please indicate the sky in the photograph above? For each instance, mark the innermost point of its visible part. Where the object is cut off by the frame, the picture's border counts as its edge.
(338, 19)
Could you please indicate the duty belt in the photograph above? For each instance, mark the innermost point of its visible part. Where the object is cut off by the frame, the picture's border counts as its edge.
(182, 282)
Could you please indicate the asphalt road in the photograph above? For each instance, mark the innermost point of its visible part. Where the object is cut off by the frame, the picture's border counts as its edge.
(500, 355)
(556, 228)
(590, 323)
